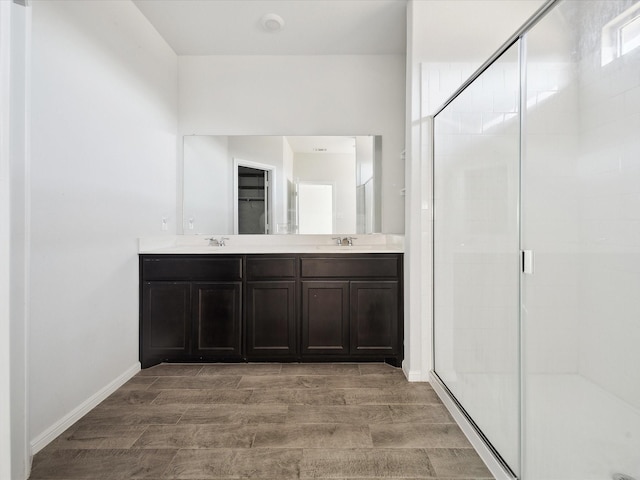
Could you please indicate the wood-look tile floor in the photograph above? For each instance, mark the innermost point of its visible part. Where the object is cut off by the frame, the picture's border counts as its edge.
(265, 422)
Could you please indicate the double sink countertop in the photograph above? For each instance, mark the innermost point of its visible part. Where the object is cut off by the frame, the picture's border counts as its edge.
(259, 244)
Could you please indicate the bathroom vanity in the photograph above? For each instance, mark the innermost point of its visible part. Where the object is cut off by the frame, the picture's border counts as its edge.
(312, 304)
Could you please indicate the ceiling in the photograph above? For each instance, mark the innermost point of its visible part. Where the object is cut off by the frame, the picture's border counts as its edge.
(311, 27)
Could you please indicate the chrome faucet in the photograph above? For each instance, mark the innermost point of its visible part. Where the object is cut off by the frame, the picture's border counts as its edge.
(346, 241)
(214, 242)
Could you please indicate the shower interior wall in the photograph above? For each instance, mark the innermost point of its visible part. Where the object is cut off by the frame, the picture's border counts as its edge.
(581, 217)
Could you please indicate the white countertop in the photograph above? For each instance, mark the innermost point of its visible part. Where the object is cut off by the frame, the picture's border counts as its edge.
(260, 244)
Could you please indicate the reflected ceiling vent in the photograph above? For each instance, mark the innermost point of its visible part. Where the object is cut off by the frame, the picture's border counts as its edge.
(272, 22)
(319, 149)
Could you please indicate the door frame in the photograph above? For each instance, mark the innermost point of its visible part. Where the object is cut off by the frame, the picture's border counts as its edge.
(269, 191)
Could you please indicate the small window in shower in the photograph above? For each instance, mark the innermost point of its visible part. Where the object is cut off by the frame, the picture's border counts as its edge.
(630, 36)
(621, 35)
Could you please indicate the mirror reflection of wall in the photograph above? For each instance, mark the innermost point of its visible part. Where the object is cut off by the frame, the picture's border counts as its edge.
(350, 164)
(208, 183)
(316, 211)
(327, 161)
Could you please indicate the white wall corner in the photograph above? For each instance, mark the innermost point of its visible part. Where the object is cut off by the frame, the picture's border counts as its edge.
(414, 326)
(5, 252)
(81, 410)
(15, 32)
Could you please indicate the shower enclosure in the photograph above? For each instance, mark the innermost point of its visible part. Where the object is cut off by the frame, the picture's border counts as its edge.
(536, 246)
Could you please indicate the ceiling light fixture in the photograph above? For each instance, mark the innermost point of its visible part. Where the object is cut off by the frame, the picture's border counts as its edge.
(272, 22)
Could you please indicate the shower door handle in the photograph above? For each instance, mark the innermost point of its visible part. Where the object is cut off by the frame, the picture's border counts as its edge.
(527, 261)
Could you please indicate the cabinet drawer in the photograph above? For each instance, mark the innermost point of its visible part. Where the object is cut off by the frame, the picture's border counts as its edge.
(196, 268)
(370, 266)
(260, 267)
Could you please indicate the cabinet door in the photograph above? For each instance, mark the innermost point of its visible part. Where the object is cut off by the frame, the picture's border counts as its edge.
(325, 317)
(166, 321)
(271, 319)
(374, 317)
(217, 318)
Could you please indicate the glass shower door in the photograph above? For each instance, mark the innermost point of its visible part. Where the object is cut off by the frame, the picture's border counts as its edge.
(476, 253)
(581, 219)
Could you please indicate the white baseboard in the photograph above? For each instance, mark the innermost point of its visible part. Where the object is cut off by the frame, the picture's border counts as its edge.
(50, 434)
(412, 375)
(494, 465)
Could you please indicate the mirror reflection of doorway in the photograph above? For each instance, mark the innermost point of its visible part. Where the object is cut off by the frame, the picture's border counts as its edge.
(253, 200)
(315, 208)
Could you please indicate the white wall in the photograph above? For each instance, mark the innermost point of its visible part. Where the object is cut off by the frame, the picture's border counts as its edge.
(5, 242)
(14, 98)
(302, 95)
(20, 211)
(104, 122)
(446, 42)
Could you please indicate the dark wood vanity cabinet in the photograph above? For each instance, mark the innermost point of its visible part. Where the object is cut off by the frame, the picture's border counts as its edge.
(305, 307)
(352, 305)
(217, 318)
(374, 318)
(271, 308)
(195, 317)
(165, 320)
(350, 318)
(325, 317)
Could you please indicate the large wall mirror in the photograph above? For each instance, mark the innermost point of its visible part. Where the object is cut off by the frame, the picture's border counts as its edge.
(281, 184)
